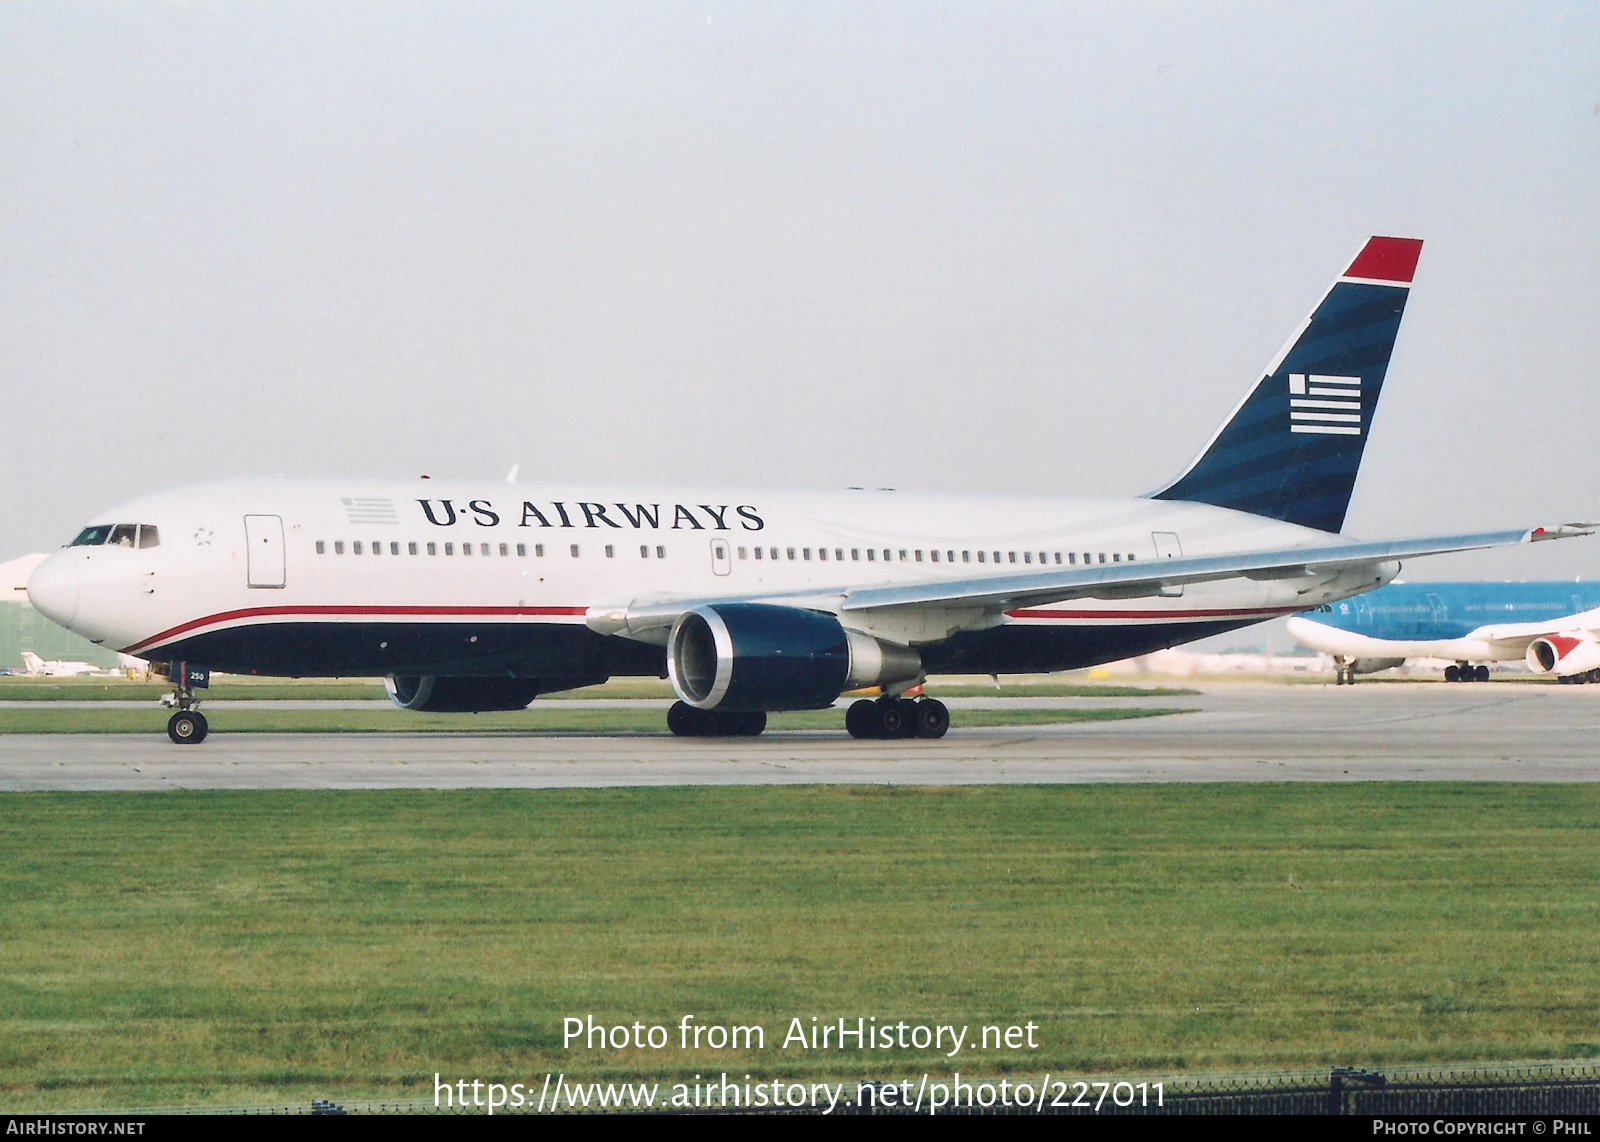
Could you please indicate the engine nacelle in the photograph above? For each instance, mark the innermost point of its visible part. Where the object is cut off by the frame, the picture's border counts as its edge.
(1563, 654)
(1373, 665)
(462, 695)
(755, 656)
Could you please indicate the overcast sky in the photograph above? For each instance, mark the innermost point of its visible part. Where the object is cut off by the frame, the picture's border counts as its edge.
(992, 247)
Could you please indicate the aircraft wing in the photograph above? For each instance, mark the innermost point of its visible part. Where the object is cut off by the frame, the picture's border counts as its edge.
(1145, 579)
(1519, 635)
(649, 620)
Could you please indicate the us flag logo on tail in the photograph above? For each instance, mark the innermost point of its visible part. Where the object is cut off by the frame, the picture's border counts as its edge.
(1328, 406)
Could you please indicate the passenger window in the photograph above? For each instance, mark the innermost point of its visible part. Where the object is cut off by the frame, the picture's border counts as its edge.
(394, 548)
(855, 554)
(661, 552)
(92, 536)
(449, 549)
(872, 554)
(522, 551)
(1131, 557)
(903, 554)
(774, 553)
(338, 547)
(743, 553)
(411, 549)
(466, 548)
(322, 548)
(791, 553)
(966, 556)
(611, 551)
(1072, 558)
(980, 557)
(483, 549)
(919, 555)
(838, 553)
(355, 547)
(1013, 556)
(822, 554)
(1027, 557)
(504, 550)
(149, 536)
(575, 551)
(949, 556)
(377, 547)
(433, 549)
(538, 551)
(644, 551)
(759, 550)
(933, 555)
(1102, 557)
(1116, 557)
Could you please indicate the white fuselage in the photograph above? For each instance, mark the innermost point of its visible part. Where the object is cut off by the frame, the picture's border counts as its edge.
(322, 555)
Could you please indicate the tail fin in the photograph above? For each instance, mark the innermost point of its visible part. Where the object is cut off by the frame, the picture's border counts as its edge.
(32, 661)
(1292, 448)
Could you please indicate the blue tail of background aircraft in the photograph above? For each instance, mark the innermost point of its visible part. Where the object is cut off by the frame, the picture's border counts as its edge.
(1291, 450)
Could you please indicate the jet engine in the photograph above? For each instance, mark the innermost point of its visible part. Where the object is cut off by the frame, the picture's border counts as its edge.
(756, 656)
(1373, 665)
(1563, 654)
(461, 695)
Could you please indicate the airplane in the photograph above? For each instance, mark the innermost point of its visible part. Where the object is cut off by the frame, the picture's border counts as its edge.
(1553, 627)
(471, 596)
(38, 667)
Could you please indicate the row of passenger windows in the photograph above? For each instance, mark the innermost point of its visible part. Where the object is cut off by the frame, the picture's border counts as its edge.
(392, 547)
(822, 554)
(917, 555)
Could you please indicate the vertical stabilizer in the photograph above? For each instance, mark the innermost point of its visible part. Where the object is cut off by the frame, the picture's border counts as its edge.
(1293, 447)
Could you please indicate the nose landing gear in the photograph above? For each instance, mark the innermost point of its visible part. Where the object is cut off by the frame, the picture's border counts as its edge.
(187, 726)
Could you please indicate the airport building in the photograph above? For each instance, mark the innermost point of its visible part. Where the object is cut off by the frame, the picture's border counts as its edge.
(23, 628)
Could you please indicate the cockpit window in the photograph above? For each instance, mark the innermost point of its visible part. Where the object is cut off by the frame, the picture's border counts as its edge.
(92, 536)
(118, 535)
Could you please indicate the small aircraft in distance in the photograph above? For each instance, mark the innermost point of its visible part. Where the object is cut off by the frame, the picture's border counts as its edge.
(34, 666)
(1553, 627)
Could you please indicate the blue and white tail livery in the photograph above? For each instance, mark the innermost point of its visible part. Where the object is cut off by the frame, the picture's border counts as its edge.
(480, 595)
(1293, 447)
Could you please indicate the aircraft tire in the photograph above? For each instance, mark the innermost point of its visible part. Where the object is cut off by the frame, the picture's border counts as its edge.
(859, 718)
(684, 720)
(888, 719)
(1481, 674)
(1452, 674)
(932, 718)
(187, 727)
(746, 724)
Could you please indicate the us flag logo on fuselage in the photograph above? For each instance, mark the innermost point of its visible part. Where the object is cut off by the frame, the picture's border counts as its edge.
(1329, 406)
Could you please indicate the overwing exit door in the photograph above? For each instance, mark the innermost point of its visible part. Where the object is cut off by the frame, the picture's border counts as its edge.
(1168, 547)
(263, 537)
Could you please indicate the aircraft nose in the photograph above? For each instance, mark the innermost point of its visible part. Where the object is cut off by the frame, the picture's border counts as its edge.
(53, 589)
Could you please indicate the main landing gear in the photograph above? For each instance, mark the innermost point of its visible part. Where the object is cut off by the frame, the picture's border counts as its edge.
(1580, 679)
(1344, 671)
(1466, 672)
(897, 718)
(689, 722)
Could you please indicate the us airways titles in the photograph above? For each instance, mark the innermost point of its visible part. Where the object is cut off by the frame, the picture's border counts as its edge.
(590, 513)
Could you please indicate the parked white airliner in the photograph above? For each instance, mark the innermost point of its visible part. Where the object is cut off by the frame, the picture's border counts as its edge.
(470, 596)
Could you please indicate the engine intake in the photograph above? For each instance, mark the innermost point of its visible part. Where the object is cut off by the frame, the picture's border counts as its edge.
(1562, 654)
(756, 656)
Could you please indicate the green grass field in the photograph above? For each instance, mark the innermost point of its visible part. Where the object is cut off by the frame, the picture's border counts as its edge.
(235, 947)
(48, 719)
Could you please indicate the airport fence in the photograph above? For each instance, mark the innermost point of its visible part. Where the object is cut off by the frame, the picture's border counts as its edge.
(1563, 1088)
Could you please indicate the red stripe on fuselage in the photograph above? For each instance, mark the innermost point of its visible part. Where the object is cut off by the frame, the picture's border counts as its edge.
(308, 612)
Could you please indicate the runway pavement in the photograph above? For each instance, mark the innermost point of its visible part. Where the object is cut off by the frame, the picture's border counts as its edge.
(1256, 731)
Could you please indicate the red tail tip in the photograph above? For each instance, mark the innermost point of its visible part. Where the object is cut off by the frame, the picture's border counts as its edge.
(1387, 260)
